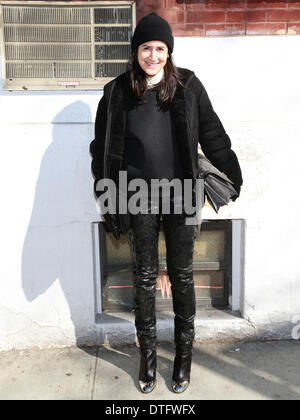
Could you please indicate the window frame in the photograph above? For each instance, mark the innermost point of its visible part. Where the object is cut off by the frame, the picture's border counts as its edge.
(202, 303)
(93, 83)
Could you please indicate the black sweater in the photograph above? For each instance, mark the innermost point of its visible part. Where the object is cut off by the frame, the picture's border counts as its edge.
(150, 144)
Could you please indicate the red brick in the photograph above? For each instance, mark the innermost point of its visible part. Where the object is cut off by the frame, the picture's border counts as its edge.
(221, 5)
(293, 5)
(293, 28)
(224, 30)
(252, 4)
(217, 5)
(265, 28)
(195, 6)
(246, 16)
(156, 4)
(188, 29)
(205, 17)
(283, 15)
(142, 9)
(175, 4)
(172, 16)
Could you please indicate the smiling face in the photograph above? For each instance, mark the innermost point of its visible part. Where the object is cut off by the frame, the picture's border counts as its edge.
(152, 57)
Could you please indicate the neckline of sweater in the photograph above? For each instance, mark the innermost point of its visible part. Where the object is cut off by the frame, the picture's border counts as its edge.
(154, 80)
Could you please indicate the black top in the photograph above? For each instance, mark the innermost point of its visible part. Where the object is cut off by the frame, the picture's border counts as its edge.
(151, 150)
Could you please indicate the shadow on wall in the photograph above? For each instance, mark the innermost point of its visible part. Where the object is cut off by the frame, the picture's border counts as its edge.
(57, 245)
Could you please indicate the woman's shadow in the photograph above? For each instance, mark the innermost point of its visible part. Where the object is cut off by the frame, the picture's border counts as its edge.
(58, 245)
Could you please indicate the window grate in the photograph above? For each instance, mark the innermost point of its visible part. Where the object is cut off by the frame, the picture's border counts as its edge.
(109, 69)
(46, 15)
(112, 52)
(115, 34)
(48, 70)
(47, 34)
(49, 52)
(45, 45)
(113, 15)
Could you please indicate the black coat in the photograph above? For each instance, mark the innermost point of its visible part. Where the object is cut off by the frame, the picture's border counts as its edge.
(195, 122)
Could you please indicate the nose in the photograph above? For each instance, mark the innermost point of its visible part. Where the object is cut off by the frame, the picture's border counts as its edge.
(153, 55)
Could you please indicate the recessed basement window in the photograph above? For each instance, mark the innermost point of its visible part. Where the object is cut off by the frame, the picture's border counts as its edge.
(212, 267)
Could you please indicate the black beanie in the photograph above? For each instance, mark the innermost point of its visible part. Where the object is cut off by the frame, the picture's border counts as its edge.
(152, 28)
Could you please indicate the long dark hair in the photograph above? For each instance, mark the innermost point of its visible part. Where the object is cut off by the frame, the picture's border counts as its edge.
(138, 82)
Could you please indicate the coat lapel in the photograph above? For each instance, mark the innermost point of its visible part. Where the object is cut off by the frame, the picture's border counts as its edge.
(117, 131)
(181, 129)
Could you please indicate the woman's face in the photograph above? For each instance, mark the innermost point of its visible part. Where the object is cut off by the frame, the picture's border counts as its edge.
(152, 57)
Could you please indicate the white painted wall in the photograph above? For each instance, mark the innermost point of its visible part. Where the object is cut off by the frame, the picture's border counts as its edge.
(47, 206)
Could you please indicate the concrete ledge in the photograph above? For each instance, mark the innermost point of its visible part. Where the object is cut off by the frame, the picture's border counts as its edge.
(210, 326)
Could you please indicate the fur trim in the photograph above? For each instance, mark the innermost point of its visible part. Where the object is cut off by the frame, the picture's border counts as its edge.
(179, 118)
(118, 121)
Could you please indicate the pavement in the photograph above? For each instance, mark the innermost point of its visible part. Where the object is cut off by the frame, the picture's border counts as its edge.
(264, 370)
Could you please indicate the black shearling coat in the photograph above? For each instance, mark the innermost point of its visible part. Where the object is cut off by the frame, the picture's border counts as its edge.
(195, 122)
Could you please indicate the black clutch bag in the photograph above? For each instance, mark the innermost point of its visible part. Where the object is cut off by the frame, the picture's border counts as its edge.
(218, 188)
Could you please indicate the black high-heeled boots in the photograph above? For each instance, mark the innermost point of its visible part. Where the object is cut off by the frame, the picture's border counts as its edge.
(181, 372)
(184, 305)
(147, 374)
(184, 336)
(145, 322)
(144, 237)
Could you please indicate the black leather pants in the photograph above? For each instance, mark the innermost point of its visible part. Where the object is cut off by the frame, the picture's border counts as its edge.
(180, 247)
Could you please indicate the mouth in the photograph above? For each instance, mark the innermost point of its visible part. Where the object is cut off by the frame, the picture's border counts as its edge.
(152, 65)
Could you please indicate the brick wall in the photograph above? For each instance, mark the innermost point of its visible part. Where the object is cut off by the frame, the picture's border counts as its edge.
(226, 17)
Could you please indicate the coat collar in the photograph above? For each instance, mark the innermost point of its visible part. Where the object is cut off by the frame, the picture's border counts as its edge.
(178, 115)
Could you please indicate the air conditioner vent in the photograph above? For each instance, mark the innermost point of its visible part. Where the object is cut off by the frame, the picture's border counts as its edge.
(46, 15)
(45, 45)
(47, 34)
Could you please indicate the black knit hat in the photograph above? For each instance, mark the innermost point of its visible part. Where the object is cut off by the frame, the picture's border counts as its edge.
(152, 28)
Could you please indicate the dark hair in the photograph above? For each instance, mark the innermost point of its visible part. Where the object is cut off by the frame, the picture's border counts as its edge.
(138, 83)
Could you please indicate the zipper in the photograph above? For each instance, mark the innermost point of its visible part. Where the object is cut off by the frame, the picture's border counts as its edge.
(108, 129)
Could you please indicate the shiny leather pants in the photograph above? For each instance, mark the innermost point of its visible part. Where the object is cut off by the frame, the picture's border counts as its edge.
(179, 238)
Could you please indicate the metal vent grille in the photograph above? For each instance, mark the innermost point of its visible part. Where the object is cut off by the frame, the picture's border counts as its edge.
(109, 70)
(113, 15)
(48, 70)
(114, 34)
(46, 15)
(47, 34)
(112, 52)
(53, 46)
(48, 52)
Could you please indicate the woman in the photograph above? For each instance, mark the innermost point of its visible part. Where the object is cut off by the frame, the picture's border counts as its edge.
(149, 122)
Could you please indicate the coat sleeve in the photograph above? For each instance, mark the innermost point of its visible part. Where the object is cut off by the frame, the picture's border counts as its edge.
(214, 141)
(98, 144)
(97, 147)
